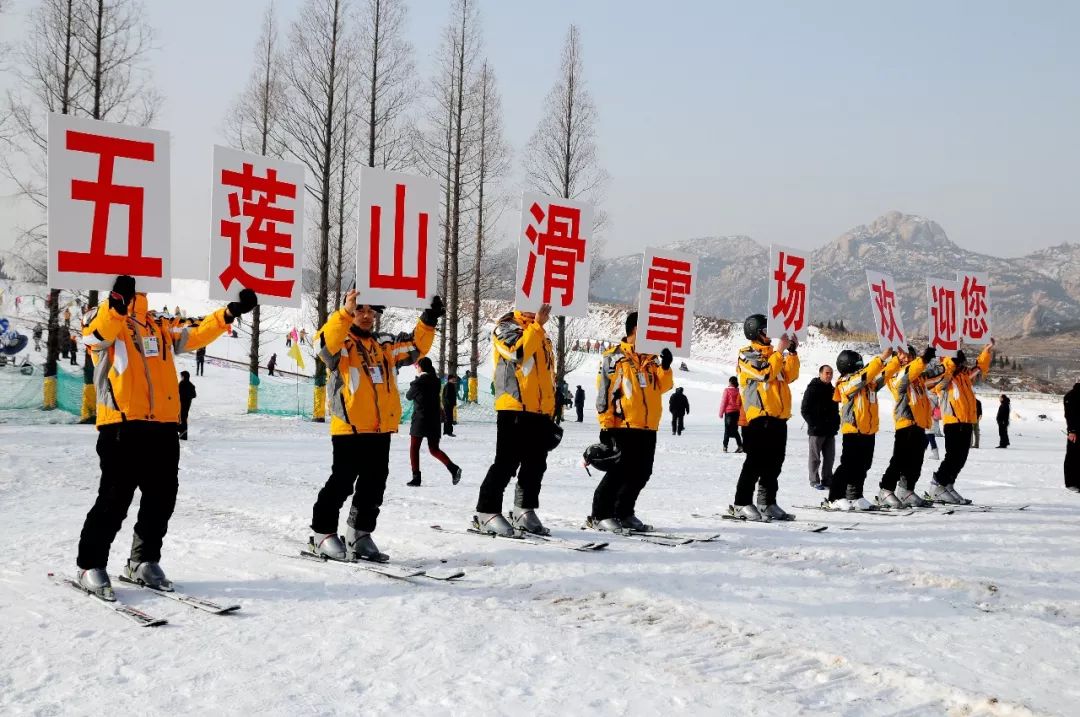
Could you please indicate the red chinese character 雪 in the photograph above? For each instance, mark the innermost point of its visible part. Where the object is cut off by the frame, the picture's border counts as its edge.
(668, 283)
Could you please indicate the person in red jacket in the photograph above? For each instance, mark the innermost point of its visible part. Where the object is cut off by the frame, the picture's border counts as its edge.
(730, 408)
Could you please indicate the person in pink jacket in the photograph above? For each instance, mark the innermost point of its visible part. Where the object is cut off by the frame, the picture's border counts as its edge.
(730, 405)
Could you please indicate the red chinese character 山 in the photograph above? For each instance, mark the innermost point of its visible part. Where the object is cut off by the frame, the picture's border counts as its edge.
(399, 279)
(790, 292)
(973, 294)
(562, 247)
(105, 194)
(943, 319)
(668, 283)
(885, 300)
(261, 242)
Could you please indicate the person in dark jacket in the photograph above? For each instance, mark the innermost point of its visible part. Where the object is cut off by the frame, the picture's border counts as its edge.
(449, 401)
(822, 416)
(200, 361)
(271, 364)
(424, 393)
(579, 403)
(1003, 421)
(187, 395)
(679, 405)
(1072, 448)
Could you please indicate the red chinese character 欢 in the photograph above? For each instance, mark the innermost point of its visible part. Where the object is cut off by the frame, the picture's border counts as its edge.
(885, 300)
(943, 319)
(265, 244)
(105, 194)
(790, 292)
(668, 282)
(973, 294)
(399, 279)
(562, 248)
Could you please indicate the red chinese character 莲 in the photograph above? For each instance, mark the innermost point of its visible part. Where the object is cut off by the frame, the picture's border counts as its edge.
(265, 245)
(973, 294)
(105, 194)
(561, 246)
(668, 282)
(790, 292)
(943, 319)
(399, 279)
(885, 300)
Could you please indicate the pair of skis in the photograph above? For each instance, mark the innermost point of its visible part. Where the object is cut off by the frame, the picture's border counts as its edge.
(398, 572)
(581, 546)
(140, 617)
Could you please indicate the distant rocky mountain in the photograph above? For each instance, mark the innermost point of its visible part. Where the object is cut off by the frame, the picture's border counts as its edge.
(1038, 293)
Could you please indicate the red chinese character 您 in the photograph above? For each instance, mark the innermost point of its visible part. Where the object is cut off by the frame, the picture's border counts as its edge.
(105, 194)
(943, 319)
(790, 292)
(265, 244)
(562, 248)
(399, 279)
(885, 300)
(668, 283)
(973, 294)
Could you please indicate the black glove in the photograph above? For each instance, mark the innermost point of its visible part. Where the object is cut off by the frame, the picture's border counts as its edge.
(665, 359)
(248, 301)
(433, 313)
(122, 293)
(794, 347)
(929, 354)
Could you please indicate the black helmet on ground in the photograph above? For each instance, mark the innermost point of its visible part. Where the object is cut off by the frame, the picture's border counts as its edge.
(848, 361)
(754, 326)
(601, 456)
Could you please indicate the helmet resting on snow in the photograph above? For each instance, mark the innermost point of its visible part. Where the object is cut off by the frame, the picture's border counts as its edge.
(849, 361)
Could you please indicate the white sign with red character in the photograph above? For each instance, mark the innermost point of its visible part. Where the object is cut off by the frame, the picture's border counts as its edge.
(108, 204)
(975, 325)
(666, 302)
(257, 228)
(789, 289)
(398, 239)
(554, 255)
(885, 303)
(942, 315)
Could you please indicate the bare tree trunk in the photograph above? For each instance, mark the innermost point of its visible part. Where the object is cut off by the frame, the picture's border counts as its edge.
(453, 315)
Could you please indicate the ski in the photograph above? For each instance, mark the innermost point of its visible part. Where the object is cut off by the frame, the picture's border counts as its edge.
(549, 540)
(134, 614)
(398, 572)
(190, 600)
(665, 540)
(808, 527)
(878, 512)
(677, 536)
(977, 507)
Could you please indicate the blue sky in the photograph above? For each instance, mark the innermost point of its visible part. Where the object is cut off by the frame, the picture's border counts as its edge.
(787, 121)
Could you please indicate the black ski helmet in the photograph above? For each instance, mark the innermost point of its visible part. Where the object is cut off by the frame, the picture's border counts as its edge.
(961, 358)
(754, 325)
(848, 362)
(601, 456)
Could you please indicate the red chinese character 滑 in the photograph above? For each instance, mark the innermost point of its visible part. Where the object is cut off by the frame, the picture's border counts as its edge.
(790, 292)
(105, 194)
(973, 294)
(562, 248)
(885, 300)
(265, 244)
(668, 283)
(399, 279)
(943, 319)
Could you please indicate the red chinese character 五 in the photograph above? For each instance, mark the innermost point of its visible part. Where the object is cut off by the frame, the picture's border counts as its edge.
(790, 292)
(399, 279)
(265, 245)
(562, 247)
(668, 282)
(973, 294)
(943, 319)
(885, 300)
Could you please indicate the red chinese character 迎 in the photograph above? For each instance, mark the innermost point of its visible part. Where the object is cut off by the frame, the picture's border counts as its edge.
(265, 244)
(790, 292)
(398, 279)
(943, 319)
(105, 194)
(668, 282)
(562, 248)
(885, 300)
(973, 294)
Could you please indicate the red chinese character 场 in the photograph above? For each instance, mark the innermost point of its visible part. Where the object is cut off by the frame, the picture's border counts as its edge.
(973, 294)
(562, 247)
(885, 300)
(943, 319)
(105, 194)
(398, 279)
(265, 244)
(668, 283)
(790, 292)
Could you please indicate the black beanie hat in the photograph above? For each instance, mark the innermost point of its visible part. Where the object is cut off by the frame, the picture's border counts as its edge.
(631, 322)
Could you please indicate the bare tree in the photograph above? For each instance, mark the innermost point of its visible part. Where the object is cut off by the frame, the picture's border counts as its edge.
(561, 159)
(345, 188)
(387, 82)
(312, 125)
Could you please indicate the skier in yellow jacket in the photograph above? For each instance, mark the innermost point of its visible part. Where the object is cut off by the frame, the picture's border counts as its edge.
(138, 411)
(856, 392)
(526, 431)
(365, 410)
(765, 375)
(959, 413)
(629, 388)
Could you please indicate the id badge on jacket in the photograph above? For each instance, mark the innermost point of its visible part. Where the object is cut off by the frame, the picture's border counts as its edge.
(150, 346)
(376, 374)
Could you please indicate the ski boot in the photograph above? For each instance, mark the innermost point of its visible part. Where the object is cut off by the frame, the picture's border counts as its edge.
(611, 525)
(838, 504)
(493, 524)
(360, 546)
(910, 498)
(775, 512)
(888, 499)
(149, 574)
(960, 500)
(1073, 488)
(96, 581)
(526, 521)
(746, 512)
(632, 522)
(455, 474)
(861, 504)
(327, 545)
(941, 494)
(415, 482)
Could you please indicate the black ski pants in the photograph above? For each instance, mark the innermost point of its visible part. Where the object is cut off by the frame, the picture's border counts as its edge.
(909, 449)
(361, 460)
(856, 455)
(1003, 434)
(134, 454)
(677, 424)
(199, 365)
(521, 447)
(1072, 464)
(185, 407)
(957, 447)
(580, 413)
(616, 495)
(731, 429)
(765, 443)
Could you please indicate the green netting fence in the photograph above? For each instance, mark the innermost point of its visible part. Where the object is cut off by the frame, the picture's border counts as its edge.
(19, 391)
(294, 397)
